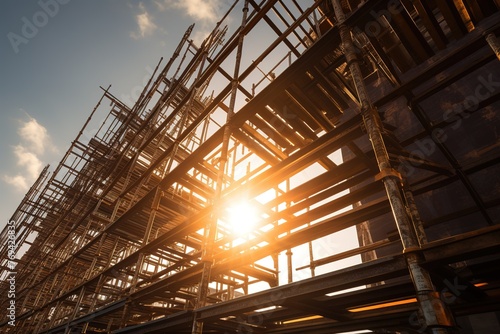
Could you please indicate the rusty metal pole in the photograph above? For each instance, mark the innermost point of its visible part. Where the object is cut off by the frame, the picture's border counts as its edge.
(414, 214)
(211, 230)
(436, 316)
(155, 206)
(68, 329)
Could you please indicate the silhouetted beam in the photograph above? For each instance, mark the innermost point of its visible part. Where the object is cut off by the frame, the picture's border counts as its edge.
(452, 18)
(464, 246)
(410, 36)
(177, 321)
(431, 24)
(443, 60)
(365, 273)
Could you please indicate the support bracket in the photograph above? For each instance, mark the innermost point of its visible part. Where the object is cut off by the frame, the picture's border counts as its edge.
(388, 172)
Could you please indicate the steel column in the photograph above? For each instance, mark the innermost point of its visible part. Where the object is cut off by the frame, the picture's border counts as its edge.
(435, 314)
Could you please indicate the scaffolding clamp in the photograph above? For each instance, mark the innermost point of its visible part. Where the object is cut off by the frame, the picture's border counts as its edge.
(207, 259)
(412, 249)
(388, 172)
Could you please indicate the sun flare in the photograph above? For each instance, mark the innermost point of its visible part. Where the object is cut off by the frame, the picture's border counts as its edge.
(242, 218)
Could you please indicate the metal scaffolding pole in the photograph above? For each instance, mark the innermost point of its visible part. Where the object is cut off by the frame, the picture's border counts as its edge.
(436, 316)
(211, 229)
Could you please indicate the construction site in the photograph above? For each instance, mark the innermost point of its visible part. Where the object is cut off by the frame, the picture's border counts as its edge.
(323, 166)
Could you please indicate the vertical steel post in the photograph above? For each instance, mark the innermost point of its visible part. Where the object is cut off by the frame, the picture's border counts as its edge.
(67, 330)
(415, 215)
(436, 317)
(38, 327)
(211, 229)
(289, 253)
(147, 233)
(311, 258)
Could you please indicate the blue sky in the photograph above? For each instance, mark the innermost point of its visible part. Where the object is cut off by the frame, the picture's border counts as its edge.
(54, 55)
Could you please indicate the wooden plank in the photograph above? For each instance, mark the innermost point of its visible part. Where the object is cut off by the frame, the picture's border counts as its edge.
(309, 106)
(393, 48)
(269, 131)
(474, 10)
(411, 37)
(385, 58)
(430, 23)
(452, 18)
(281, 127)
(294, 116)
(334, 91)
(259, 145)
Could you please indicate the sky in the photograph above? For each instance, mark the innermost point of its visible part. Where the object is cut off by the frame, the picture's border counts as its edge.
(54, 55)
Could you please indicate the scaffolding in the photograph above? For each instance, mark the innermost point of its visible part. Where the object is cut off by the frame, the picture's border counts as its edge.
(220, 201)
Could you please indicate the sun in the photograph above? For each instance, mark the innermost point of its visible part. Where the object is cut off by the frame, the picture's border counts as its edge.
(242, 218)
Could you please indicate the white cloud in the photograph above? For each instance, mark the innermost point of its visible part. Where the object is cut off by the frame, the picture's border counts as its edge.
(34, 142)
(145, 23)
(18, 181)
(28, 160)
(204, 12)
(35, 136)
(198, 9)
